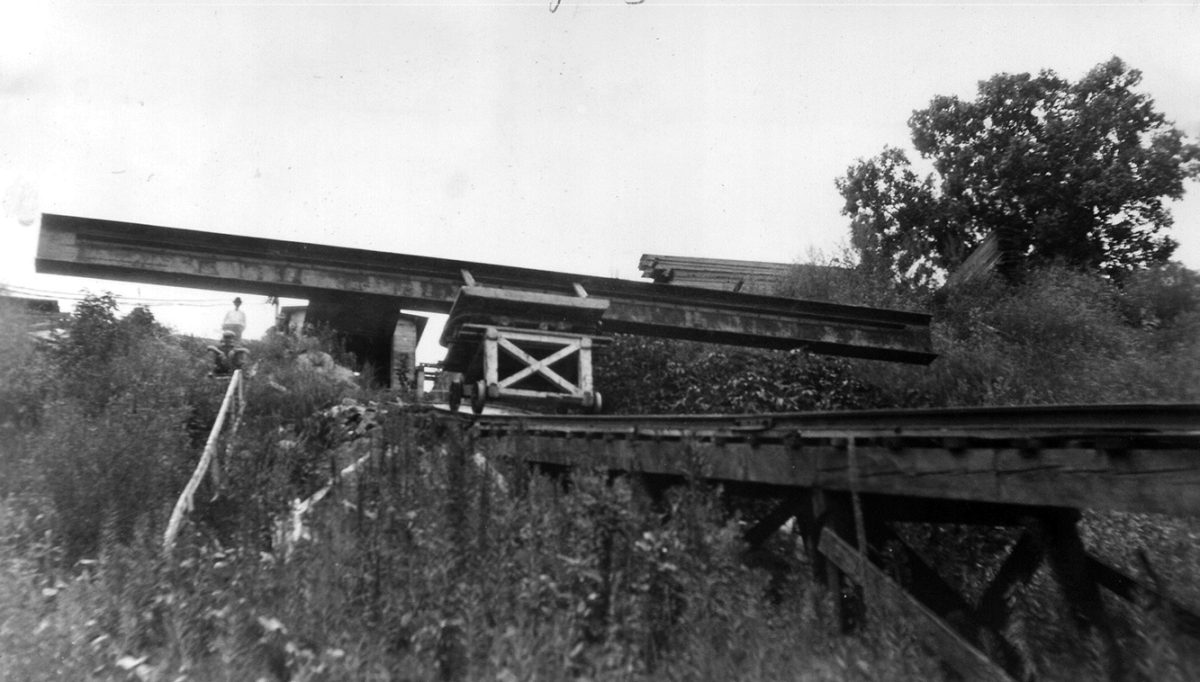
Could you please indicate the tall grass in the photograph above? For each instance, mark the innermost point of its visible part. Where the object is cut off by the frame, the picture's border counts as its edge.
(438, 560)
(441, 560)
(431, 565)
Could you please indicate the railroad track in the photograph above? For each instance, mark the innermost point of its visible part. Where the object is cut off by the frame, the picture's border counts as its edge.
(846, 476)
(1148, 418)
(1140, 458)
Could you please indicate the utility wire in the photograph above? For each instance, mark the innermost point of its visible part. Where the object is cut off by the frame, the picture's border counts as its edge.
(78, 296)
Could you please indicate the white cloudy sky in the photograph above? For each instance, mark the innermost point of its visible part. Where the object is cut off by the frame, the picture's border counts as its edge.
(502, 132)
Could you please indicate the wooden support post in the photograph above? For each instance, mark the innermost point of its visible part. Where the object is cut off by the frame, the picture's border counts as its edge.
(585, 366)
(491, 363)
(957, 652)
(834, 514)
(806, 514)
(1057, 532)
(812, 537)
(806, 524)
(1020, 565)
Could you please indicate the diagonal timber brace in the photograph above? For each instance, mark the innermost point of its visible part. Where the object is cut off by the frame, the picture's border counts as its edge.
(540, 367)
(956, 651)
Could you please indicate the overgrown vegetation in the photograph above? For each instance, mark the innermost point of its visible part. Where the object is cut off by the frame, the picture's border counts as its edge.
(430, 563)
(641, 375)
(1061, 336)
(1055, 335)
(433, 562)
(440, 560)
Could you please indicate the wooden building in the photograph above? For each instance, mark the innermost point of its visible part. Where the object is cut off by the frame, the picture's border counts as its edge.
(42, 317)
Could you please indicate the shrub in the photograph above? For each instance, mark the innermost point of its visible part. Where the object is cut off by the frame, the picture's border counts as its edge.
(24, 387)
(109, 441)
(116, 464)
(640, 376)
(1060, 337)
(95, 355)
(1159, 296)
(843, 278)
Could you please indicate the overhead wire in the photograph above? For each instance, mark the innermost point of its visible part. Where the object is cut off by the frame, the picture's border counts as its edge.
(133, 300)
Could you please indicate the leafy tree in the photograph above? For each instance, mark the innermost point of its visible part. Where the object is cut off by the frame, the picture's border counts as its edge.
(93, 333)
(94, 341)
(1071, 173)
(90, 334)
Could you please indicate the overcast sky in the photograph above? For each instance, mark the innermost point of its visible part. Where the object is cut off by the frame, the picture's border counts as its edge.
(502, 132)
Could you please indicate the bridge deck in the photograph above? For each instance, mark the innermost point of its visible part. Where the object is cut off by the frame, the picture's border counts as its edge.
(1143, 458)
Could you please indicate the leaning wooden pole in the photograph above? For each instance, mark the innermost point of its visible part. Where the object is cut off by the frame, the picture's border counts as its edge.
(185, 501)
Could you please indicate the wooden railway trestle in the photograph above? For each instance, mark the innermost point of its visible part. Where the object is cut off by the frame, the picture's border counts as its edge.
(847, 477)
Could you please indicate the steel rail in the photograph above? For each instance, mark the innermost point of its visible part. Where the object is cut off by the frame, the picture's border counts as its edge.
(90, 247)
(1147, 419)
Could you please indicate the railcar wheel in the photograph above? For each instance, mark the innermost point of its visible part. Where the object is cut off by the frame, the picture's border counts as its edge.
(456, 394)
(597, 403)
(480, 397)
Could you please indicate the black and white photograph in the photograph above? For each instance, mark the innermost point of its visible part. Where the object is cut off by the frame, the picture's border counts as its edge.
(599, 340)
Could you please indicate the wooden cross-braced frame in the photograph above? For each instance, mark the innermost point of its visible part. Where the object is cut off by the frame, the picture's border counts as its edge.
(532, 365)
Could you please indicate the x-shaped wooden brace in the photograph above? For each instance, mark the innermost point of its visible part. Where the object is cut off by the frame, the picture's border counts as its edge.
(542, 367)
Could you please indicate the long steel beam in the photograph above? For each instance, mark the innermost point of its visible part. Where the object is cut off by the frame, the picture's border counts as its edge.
(110, 249)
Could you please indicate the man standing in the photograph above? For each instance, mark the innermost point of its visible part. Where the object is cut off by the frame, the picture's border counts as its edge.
(235, 320)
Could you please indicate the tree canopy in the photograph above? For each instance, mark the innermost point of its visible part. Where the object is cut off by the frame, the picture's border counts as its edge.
(1071, 173)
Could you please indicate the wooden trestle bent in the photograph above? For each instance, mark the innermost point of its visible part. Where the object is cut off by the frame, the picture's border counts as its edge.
(844, 477)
